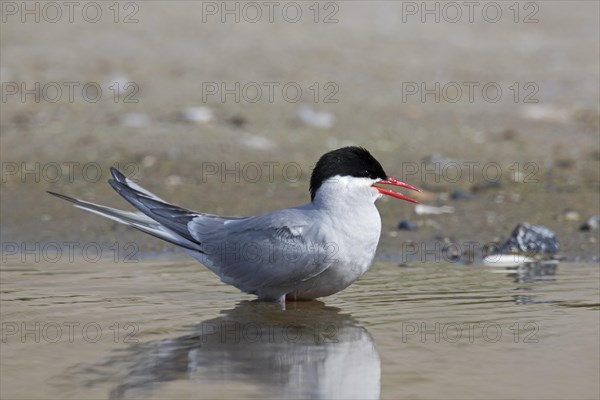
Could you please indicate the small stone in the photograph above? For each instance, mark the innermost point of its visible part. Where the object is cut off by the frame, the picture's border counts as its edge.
(461, 195)
(119, 84)
(238, 121)
(257, 142)
(135, 120)
(546, 113)
(565, 163)
(406, 225)
(148, 161)
(314, 118)
(422, 209)
(438, 160)
(592, 224)
(570, 215)
(197, 115)
(174, 180)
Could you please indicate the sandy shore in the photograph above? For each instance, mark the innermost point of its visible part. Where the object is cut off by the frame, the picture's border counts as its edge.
(538, 145)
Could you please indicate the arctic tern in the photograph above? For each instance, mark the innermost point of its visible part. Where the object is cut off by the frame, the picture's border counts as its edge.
(299, 253)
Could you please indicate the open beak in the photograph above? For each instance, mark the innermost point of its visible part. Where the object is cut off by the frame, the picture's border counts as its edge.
(395, 182)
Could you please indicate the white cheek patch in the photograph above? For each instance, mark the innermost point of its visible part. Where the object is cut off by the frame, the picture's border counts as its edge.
(375, 193)
(347, 187)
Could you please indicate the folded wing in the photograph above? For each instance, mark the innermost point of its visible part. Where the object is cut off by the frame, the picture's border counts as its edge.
(279, 248)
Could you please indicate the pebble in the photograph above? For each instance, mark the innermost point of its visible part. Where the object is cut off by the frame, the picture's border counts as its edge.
(135, 120)
(516, 197)
(238, 121)
(314, 118)
(422, 209)
(118, 84)
(198, 115)
(174, 180)
(438, 160)
(406, 225)
(592, 224)
(546, 113)
(508, 134)
(148, 161)
(570, 215)
(257, 142)
(461, 195)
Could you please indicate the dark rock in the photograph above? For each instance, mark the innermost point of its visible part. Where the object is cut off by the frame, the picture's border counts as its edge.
(406, 225)
(530, 240)
(565, 163)
(238, 120)
(592, 224)
(460, 195)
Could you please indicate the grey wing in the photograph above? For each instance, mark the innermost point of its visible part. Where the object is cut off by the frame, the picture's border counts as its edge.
(170, 217)
(157, 217)
(274, 249)
(271, 250)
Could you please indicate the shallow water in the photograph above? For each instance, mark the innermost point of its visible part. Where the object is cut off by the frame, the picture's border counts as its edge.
(158, 329)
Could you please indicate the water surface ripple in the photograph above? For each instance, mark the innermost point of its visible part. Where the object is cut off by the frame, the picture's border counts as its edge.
(159, 329)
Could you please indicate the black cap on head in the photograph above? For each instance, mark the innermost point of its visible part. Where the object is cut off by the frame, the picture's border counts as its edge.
(347, 161)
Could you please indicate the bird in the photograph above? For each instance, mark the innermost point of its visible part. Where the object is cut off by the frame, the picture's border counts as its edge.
(300, 253)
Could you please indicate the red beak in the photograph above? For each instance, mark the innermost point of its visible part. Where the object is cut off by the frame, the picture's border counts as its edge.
(396, 182)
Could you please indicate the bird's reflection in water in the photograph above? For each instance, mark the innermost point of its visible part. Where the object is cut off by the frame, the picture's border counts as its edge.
(305, 351)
